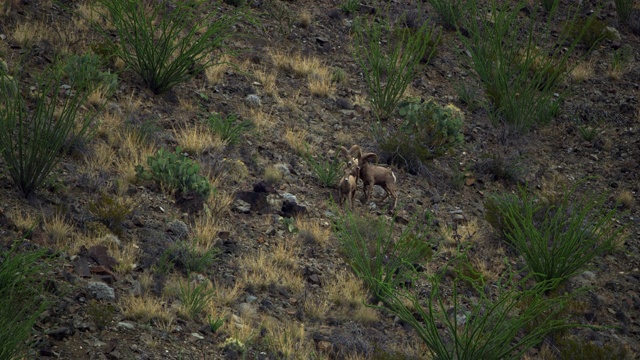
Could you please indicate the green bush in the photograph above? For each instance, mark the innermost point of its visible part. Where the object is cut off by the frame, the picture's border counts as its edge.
(175, 172)
(111, 211)
(429, 130)
(389, 58)
(21, 299)
(473, 320)
(376, 255)
(85, 69)
(350, 6)
(449, 11)
(623, 8)
(589, 31)
(35, 131)
(328, 172)
(519, 60)
(558, 237)
(228, 128)
(166, 45)
(195, 297)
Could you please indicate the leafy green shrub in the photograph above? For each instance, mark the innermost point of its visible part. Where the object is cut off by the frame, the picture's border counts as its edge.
(350, 6)
(556, 238)
(21, 300)
(85, 69)
(166, 45)
(389, 66)
(175, 172)
(474, 321)
(228, 128)
(328, 172)
(375, 256)
(36, 131)
(186, 257)
(449, 11)
(519, 60)
(429, 131)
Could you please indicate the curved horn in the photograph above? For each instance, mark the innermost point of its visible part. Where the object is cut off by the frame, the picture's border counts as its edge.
(367, 156)
(355, 152)
(344, 152)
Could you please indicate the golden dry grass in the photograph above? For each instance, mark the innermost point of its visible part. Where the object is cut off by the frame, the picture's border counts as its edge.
(288, 338)
(110, 127)
(268, 81)
(582, 72)
(204, 231)
(198, 139)
(261, 120)
(304, 18)
(144, 308)
(215, 73)
(320, 82)
(312, 231)
(97, 97)
(316, 308)
(24, 220)
(133, 151)
(272, 175)
(297, 64)
(297, 140)
(344, 139)
(626, 199)
(102, 157)
(227, 295)
(126, 256)
(26, 33)
(263, 269)
(59, 229)
(219, 204)
(347, 293)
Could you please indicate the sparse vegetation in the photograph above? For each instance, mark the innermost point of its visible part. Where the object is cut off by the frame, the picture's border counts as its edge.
(175, 172)
(556, 237)
(229, 128)
(21, 299)
(166, 47)
(389, 64)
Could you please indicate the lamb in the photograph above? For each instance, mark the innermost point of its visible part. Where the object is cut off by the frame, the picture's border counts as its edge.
(372, 174)
(349, 182)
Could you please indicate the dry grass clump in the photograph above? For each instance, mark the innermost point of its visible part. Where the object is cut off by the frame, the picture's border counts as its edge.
(60, 231)
(133, 151)
(225, 295)
(343, 138)
(320, 82)
(98, 97)
(145, 308)
(347, 293)
(23, 220)
(317, 308)
(297, 64)
(304, 18)
(263, 269)
(297, 140)
(272, 175)
(583, 71)
(312, 232)
(204, 231)
(261, 119)
(102, 157)
(215, 73)
(268, 81)
(126, 256)
(27, 33)
(288, 338)
(198, 139)
(625, 199)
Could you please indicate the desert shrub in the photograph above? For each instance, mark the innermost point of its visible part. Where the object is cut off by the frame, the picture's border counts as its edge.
(449, 11)
(21, 300)
(229, 128)
(573, 348)
(501, 168)
(327, 171)
(350, 6)
(389, 65)
(166, 45)
(474, 320)
(194, 297)
(519, 60)
(549, 5)
(86, 69)
(111, 211)
(556, 237)
(376, 255)
(623, 8)
(429, 130)
(589, 31)
(187, 257)
(175, 172)
(35, 131)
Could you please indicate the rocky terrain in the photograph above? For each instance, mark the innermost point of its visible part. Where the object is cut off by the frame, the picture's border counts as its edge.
(279, 283)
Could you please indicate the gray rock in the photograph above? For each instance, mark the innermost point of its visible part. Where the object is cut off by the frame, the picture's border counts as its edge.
(253, 101)
(251, 298)
(290, 197)
(241, 206)
(178, 228)
(126, 325)
(101, 291)
(197, 336)
(283, 168)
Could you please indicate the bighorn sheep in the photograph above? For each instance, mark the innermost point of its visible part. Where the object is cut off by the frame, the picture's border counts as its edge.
(349, 183)
(372, 174)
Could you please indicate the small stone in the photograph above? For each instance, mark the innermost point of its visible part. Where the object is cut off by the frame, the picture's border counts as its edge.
(101, 291)
(126, 325)
(197, 336)
(290, 197)
(250, 298)
(241, 206)
(178, 228)
(253, 101)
